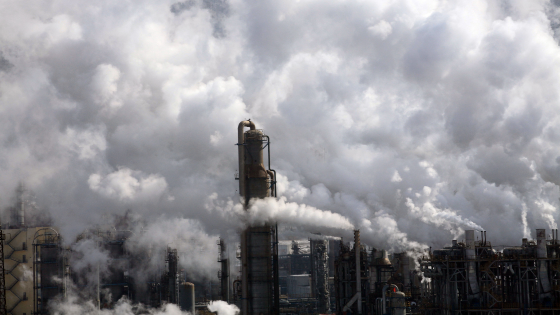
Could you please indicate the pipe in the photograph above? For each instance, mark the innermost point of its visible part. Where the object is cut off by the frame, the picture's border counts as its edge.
(241, 151)
(272, 175)
(235, 286)
(275, 191)
(385, 287)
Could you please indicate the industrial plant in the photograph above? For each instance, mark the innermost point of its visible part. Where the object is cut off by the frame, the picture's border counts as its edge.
(267, 275)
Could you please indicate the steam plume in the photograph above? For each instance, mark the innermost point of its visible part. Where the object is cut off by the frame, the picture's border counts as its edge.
(391, 117)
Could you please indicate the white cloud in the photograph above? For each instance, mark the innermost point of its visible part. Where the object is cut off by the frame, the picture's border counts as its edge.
(382, 29)
(128, 185)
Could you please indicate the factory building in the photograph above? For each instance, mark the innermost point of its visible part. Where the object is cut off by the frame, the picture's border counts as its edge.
(34, 269)
(171, 286)
(471, 276)
(374, 282)
(350, 279)
(305, 285)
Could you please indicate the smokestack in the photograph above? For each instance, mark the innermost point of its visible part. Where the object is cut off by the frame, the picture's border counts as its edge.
(471, 255)
(541, 243)
(358, 271)
(20, 208)
(469, 235)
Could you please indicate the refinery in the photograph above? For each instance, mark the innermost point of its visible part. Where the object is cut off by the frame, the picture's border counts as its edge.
(261, 273)
(238, 157)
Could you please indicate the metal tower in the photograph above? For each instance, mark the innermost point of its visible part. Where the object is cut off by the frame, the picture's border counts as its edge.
(259, 244)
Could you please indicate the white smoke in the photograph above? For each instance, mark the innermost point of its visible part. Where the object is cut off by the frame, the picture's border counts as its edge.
(390, 117)
(278, 210)
(223, 308)
(197, 250)
(72, 305)
(271, 210)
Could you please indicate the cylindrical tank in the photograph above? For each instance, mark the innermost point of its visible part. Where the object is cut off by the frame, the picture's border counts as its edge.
(186, 297)
(398, 303)
(257, 181)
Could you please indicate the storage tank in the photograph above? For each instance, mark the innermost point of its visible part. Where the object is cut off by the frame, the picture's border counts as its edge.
(398, 303)
(186, 297)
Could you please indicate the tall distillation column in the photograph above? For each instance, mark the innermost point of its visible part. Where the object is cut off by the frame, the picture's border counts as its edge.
(259, 245)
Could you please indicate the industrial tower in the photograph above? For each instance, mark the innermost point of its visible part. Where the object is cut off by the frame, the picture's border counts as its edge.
(259, 244)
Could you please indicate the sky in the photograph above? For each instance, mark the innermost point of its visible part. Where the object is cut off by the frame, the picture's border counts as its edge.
(409, 120)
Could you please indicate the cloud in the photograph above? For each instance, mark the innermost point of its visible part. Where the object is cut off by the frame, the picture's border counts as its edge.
(128, 185)
(381, 29)
(391, 117)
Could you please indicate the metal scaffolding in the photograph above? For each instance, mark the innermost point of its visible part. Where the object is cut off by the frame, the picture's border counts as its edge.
(320, 275)
(223, 274)
(351, 279)
(173, 276)
(48, 268)
(472, 277)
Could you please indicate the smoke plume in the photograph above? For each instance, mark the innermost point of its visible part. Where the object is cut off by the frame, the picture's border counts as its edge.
(409, 120)
(223, 308)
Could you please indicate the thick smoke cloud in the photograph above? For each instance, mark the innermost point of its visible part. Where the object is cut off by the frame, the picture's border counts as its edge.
(410, 120)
